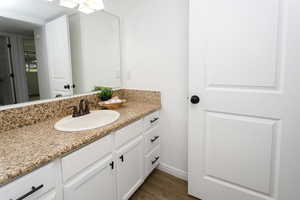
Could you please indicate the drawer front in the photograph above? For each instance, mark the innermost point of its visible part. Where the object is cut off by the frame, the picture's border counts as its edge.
(82, 158)
(152, 139)
(152, 160)
(32, 185)
(128, 133)
(151, 120)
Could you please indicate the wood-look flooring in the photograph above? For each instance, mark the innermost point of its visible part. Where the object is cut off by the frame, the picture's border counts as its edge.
(162, 186)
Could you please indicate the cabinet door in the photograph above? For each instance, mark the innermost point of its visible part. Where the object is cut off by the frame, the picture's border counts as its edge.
(97, 182)
(33, 186)
(49, 196)
(130, 168)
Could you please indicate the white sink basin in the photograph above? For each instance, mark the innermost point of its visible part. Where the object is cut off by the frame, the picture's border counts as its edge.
(90, 121)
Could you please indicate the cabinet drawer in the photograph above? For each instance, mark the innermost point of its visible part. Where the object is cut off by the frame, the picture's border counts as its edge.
(152, 139)
(151, 120)
(128, 133)
(152, 160)
(82, 158)
(43, 180)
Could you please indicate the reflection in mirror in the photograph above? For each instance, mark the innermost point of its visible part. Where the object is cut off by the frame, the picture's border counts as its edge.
(48, 51)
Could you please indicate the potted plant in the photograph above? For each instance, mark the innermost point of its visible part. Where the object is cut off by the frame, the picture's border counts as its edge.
(104, 94)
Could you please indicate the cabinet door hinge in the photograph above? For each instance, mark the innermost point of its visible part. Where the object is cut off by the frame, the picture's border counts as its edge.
(9, 46)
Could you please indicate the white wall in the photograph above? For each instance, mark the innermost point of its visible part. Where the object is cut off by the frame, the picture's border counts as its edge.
(155, 56)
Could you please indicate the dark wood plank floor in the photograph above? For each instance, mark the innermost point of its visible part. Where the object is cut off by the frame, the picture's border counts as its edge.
(162, 186)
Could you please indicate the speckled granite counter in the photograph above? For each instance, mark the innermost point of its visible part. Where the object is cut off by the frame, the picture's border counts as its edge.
(24, 149)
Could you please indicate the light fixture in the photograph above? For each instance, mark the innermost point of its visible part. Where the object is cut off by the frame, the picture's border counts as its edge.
(85, 6)
(68, 3)
(95, 4)
(85, 9)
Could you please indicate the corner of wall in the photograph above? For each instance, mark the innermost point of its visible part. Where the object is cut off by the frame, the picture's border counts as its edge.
(173, 171)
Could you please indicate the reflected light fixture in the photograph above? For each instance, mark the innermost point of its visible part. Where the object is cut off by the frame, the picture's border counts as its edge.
(85, 9)
(85, 6)
(68, 3)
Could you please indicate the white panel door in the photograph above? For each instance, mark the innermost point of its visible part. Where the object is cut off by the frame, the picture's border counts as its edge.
(94, 183)
(130, 168)
(244, 67)
(59, 57)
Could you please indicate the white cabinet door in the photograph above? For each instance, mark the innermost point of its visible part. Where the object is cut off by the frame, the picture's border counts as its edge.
(59, 57)
(130, 168)
(33, 186)
(97, 182)
(49, 196)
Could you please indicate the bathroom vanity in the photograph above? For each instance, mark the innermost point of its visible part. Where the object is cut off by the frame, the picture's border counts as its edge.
(50, 64)
(109, 162)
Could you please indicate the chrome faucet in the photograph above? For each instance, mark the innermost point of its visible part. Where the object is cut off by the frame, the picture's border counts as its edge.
(84, 108)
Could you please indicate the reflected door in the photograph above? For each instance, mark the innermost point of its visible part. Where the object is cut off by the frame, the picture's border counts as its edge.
(59, 57)
(244, 132)
(6, 75)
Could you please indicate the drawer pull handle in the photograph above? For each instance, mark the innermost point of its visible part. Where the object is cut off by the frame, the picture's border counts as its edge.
(33, 190)
(154, 120)
(154, 161)
(154, 139)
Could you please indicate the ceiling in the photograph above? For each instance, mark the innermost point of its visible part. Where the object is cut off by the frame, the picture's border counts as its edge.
(16, 27)
(35, 11)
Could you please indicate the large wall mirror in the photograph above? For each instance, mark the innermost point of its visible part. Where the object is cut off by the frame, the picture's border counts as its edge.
(49, 51)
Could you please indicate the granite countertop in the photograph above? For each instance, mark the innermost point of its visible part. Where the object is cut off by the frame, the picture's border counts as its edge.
(26, 149)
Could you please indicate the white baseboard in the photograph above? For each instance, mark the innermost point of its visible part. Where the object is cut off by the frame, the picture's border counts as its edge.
(173, 171)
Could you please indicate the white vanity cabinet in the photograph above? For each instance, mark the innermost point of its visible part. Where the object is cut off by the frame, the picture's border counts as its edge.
(130, 166)
(111, 168)
(89, 172)
(38, 185)
(152, 160)
(114, 167)
(94, 183)
(151, 120)
(152, 142)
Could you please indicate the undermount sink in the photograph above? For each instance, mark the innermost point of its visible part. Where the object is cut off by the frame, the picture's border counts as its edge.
(95, 119)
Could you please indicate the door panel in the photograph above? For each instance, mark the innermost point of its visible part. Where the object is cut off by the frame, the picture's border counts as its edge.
(245, 144)
(243, 66)
(59, 56)
(247, 49)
